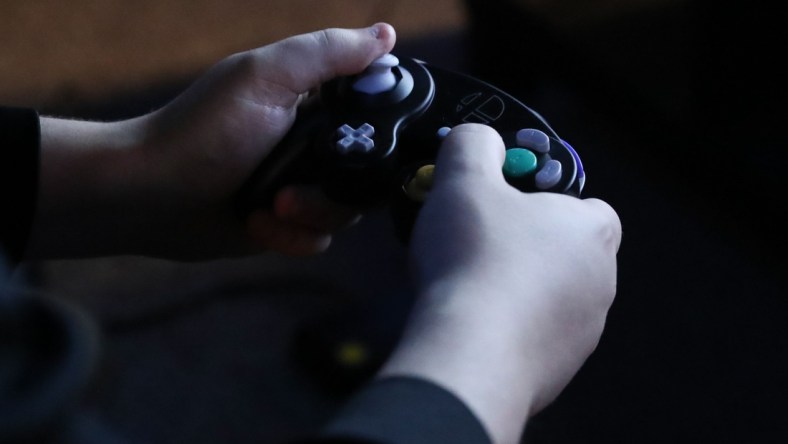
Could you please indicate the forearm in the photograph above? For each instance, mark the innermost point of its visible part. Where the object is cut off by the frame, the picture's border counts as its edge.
(88, 180)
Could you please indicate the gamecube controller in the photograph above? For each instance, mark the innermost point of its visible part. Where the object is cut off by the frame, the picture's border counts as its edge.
(373, 138)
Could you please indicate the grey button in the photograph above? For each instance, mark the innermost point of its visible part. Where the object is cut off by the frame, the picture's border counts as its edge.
(534, 140)
(549, 175)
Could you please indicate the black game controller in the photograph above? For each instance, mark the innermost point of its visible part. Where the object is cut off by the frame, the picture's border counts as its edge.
(372, 139)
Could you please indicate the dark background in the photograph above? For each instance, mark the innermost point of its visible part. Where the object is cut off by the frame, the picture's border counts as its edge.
(676, 109)
(680, 113)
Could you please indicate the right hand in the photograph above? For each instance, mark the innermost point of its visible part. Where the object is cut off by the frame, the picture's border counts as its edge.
(514, 287)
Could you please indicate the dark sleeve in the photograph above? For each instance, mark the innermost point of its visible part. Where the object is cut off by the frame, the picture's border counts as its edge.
(20, 137)
(404, 410)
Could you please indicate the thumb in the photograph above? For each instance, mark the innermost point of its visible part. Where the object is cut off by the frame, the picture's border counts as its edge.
(305, 61)
(470, 153)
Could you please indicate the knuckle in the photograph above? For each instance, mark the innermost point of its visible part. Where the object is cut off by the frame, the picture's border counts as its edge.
(324, 38)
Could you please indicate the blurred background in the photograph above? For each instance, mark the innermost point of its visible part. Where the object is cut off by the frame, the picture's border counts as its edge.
(674, 105)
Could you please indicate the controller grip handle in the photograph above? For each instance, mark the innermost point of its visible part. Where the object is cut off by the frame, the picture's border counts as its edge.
(292, 161)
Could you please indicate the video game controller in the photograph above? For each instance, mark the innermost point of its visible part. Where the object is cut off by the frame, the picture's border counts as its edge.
(373, 138)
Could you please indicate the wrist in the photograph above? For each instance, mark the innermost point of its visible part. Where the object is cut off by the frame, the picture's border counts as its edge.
(83, 159)
(89, 175)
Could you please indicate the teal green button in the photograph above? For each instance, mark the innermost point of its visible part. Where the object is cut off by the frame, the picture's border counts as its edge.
(519, 162)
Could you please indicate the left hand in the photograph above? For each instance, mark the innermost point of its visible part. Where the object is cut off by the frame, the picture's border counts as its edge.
(164, 184)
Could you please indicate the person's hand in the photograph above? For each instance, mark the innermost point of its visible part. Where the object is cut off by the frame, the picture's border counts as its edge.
(164, 184)
(514, 287)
